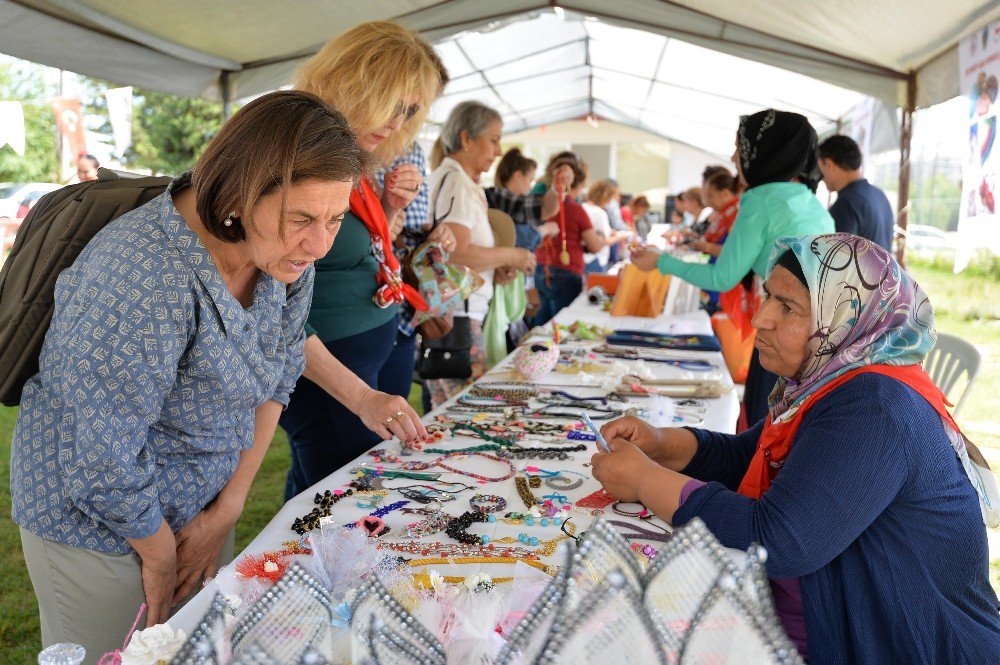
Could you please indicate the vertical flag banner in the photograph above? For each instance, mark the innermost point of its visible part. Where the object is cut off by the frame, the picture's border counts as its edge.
(120, 115)
(69, 121)
(12, 126)
(979, 78)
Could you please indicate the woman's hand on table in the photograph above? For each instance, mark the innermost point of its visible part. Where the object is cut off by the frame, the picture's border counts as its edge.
(389, 416)
(645, 259)
(199, 545)
(623, 470)
(672, 448)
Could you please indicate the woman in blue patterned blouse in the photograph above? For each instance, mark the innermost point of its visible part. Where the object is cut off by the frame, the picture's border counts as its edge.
(177, 338)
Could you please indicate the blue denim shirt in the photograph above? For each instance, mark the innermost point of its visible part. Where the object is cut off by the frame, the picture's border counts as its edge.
(149, 377)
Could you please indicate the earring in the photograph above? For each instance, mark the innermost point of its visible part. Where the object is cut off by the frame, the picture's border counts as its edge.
(228, 221)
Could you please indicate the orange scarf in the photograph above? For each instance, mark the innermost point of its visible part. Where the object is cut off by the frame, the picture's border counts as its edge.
(366, 206)
(776, 438)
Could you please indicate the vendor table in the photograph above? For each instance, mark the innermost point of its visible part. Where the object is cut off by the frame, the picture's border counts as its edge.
(718, 414)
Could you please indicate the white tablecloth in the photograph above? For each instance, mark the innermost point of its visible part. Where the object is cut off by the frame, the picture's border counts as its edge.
(720, 415)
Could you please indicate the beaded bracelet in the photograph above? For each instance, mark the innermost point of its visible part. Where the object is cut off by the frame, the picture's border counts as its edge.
(489, 402)
(456, 549)
(642, 514)
(504, 390)
(522, 490)
(563, 483)
(458, 527)
(540, 453)
(493, 503)
(324, 502)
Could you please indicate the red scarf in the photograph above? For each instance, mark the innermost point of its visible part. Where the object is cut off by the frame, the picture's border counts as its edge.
(776, 438)
(366, 206)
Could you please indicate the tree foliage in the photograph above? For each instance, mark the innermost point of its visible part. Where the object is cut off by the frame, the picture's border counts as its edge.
(169, 133)
(38, 164)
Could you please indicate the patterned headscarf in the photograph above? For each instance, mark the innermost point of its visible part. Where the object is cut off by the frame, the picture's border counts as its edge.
(777, 146)
(866, 310)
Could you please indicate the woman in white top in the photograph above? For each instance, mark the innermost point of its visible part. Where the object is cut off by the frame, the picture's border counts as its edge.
(599, 195)
(470, 143)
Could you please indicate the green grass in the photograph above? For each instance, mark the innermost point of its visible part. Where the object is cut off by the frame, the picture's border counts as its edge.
(967, 305)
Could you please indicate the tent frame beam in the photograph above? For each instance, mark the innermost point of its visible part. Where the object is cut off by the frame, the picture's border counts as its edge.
(905, 138)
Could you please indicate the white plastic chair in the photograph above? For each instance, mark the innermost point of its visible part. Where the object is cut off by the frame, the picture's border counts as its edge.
(951, 358)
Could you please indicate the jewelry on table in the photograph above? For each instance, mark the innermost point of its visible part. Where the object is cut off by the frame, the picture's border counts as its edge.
(455, 549)
(418, 466)
(487, 503)
(596, 500)
(556, 498)
(524, 492)
(534, 482)
(510, 391)
(433, 524)
(642, 514)
(519, 452)
(595, 412)
(477, 559)
(576, 435)
(635, 532)
(457, 528)
(324, 503)
(528, 519)
(384, 456)
(563, 483)
(425, 496)
(373, 501)
(373, 521)
(479, 402)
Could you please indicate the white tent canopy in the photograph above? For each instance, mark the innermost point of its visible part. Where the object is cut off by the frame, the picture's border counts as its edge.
(191, 47)
(548, 69)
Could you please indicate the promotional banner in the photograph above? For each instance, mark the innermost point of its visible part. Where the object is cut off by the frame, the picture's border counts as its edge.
(69, 121)
(120, 115)
(979, 78)
(12, 126)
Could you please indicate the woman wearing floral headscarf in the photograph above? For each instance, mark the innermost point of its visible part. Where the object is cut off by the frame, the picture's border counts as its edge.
(864, 492)
(775, 157)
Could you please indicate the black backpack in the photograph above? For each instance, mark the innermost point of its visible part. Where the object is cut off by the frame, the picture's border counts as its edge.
(51, 237)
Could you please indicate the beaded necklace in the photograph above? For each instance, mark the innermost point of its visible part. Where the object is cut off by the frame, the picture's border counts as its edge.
(455, 549)
(439, 462)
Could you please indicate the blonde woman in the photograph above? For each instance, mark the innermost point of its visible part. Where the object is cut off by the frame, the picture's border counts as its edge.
(383, 78)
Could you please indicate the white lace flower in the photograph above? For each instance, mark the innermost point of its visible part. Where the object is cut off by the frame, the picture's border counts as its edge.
(153, 645)
(437, 581)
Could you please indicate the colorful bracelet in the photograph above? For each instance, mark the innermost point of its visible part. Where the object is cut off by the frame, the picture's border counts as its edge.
(493, 503)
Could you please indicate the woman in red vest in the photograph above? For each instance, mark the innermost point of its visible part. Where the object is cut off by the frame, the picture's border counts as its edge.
(864, 492)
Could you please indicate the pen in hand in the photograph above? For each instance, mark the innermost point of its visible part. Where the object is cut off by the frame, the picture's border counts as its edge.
(593, 428)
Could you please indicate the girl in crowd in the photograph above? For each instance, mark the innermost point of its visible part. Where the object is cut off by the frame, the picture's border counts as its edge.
(383, 78)
(775, 158)
(469, 144)
(559, 275)
(640, 213)
(514, 176)
(176, 340)
(859, 484)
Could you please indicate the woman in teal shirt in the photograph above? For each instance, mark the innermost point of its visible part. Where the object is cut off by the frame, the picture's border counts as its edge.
(775, 157)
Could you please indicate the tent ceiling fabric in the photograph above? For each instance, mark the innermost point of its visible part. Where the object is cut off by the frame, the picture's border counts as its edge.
(182, 46)
(543, 70)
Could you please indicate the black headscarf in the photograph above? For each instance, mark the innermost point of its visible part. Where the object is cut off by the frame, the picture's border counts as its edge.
(777, 146)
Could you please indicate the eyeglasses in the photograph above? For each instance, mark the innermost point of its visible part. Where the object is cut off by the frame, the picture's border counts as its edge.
(406, 111)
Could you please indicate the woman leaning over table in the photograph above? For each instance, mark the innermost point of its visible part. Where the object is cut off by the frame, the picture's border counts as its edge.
(775, 157)
(859, 484)
(383, 78)
(176, 339)
(470, 143)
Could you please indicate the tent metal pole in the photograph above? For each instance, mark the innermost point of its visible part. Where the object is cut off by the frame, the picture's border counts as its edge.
(224, 93)
(905, 136)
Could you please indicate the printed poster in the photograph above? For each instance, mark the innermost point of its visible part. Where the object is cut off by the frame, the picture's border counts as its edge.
(979, 78)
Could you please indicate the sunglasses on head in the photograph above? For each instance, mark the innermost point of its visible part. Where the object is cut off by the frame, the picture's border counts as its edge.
(406, 111)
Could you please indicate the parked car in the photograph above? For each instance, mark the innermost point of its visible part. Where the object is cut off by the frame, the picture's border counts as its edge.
(12, 195)
(921, 236)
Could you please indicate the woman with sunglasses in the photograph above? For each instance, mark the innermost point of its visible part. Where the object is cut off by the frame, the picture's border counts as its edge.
(383, 78)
